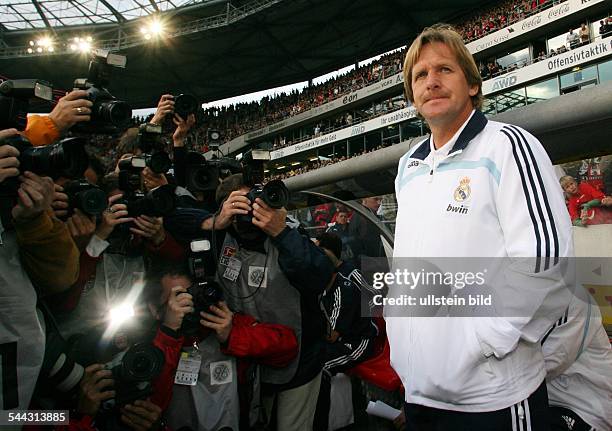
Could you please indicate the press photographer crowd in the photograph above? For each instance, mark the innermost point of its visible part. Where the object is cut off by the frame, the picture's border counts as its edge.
(169, 293)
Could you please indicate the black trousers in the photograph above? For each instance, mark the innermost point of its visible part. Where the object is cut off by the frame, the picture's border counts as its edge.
(530, 414)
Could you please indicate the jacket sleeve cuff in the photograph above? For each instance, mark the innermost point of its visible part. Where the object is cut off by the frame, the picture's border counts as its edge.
(41, 130)
(96, 246)
(278, 239)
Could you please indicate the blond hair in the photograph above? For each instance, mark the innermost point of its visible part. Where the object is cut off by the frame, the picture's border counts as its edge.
(447, 35)
(566, 179)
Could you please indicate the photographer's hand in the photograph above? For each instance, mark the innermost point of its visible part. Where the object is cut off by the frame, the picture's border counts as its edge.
(236, 203)
(219, 321)
(151, 228)
(81, 228)
(93, 389)
(73, 108)
(182, 128)
(34, 196)
(164, 107)
(271, 221)
(179, 304)
(114, 215)
(60, 202)
(9, 165)
(142, 415)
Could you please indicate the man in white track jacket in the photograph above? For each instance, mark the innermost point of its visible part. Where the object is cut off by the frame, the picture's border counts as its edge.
(476, 188)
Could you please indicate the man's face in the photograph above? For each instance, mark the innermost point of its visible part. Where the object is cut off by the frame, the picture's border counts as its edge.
(372, 203)
(440, 90)
(168, 282)
(341, 218)
(91, 176)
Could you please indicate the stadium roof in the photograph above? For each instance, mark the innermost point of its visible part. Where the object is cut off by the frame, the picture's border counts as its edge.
(215, 49)
(25, 14)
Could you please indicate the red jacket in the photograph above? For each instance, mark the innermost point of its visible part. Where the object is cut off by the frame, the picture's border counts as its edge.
(268, 344)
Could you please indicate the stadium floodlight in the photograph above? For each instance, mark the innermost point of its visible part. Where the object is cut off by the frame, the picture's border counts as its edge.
(154, 28)
(30, 50)
(82, 44)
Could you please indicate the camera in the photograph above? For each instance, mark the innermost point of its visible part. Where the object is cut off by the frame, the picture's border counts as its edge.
(134, 370)
(87, 197)
(204, 289)
(15, 96)
(108, 114)
(131, 168)
(159, 202)
(150, 138)
(275, 194)
(185, 104)
(200, 176)
(66, 158)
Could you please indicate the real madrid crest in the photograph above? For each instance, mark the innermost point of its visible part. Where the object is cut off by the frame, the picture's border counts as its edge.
(463, 191)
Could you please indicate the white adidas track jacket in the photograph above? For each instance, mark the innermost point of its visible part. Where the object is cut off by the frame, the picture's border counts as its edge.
(494, 194)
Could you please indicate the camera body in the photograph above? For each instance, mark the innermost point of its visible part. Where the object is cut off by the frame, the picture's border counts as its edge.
(275, 194)
(185, 105)
(159, 202)
(88, 198)
(108, 114)
(204, 289)
(15, 96)
(133, 372)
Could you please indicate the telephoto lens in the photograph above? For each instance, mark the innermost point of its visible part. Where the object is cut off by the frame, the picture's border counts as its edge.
(275, 194)
(66, 159)
(108, 111)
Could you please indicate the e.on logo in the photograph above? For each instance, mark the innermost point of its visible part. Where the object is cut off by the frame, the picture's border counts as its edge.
(504, 82)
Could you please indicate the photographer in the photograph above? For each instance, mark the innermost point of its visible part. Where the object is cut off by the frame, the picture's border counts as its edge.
(165, 110)
(162, 307)
(269, 270)
(39, 252)
(113, 262)
(221, 339)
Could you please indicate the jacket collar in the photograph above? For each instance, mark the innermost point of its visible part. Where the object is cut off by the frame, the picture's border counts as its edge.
(474, 126)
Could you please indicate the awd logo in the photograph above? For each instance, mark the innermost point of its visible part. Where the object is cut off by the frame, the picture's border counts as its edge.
(461, 194)
(504, 82)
